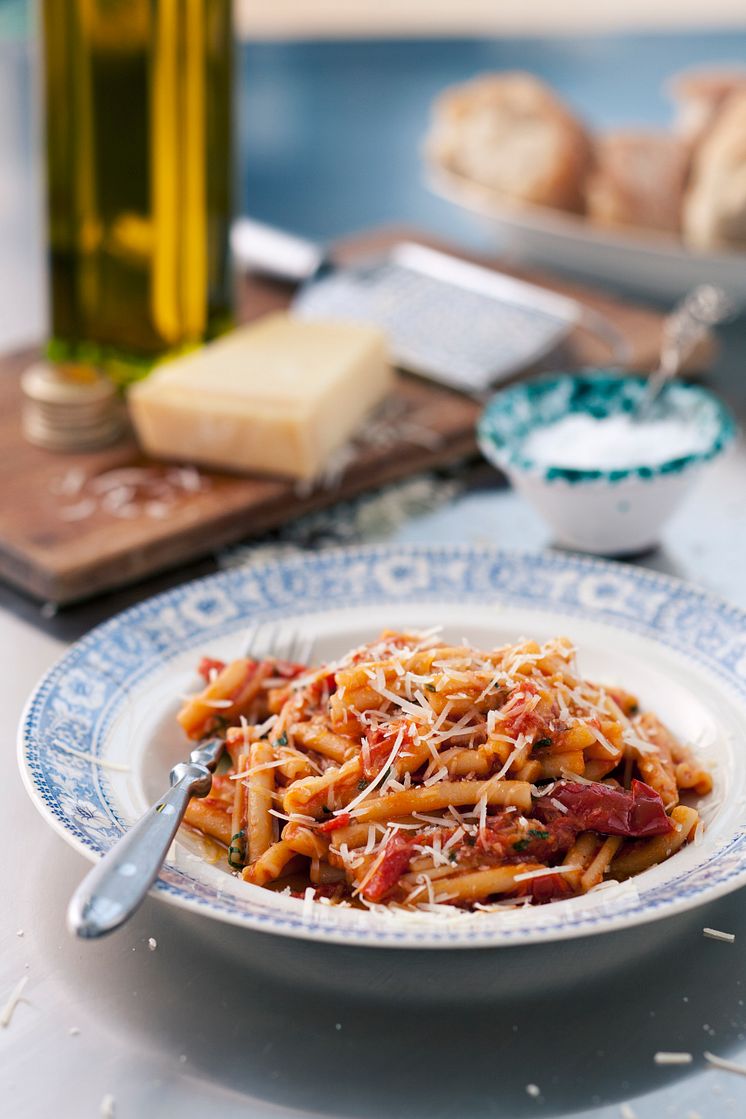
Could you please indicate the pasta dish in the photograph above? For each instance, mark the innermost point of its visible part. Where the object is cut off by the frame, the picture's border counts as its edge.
(420, 775)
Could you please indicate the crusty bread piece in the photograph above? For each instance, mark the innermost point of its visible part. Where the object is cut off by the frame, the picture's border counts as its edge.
(715, 202)
(511, 133)
(699, 95)
(638, 180)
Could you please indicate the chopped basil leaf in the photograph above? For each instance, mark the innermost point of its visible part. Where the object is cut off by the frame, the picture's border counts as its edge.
(521, 844)
(542, 743)
(362, 784)
(282, 740)
(537, 833)
(236, 850)
(429, 687)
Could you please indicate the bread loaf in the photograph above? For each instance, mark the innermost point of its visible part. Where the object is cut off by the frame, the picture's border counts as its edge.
(511, 133)
(699, 95)
(715, 202)
(638, 180)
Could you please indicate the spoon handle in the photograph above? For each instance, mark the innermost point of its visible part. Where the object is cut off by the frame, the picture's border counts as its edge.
(687, 324)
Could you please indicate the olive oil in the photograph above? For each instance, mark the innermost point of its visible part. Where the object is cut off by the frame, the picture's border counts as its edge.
(139, 175)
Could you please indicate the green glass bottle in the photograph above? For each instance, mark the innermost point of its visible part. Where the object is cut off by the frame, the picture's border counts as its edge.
(139, 176)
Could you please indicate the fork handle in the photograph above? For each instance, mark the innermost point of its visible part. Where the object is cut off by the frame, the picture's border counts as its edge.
(112, 891)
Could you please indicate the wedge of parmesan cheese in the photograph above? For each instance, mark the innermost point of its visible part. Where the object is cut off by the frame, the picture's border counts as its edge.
(276, 397)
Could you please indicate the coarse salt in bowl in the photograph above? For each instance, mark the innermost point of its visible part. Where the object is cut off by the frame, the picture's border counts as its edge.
(604, 481)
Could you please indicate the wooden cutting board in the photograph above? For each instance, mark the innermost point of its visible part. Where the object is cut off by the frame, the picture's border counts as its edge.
(53, 557)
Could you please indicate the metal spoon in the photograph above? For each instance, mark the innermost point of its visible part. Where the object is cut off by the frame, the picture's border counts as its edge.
(683, 329)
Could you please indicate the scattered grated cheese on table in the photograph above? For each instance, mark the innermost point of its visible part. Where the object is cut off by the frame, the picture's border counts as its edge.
(724, 1064)
(16, 996)
(108, 1106)
(716, 934)
(662, 1058)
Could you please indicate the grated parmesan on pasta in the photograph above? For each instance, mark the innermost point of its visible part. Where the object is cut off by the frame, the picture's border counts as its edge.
(412, 775)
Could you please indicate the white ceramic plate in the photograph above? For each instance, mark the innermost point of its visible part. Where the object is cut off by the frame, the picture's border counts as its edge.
(656, 263)
(115, 693)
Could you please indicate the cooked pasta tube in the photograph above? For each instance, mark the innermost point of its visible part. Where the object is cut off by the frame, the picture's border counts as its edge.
(323, 874)
(304, 841)
(530, 771)
(596, 769)
(581, 855)
(225, 698)
(687, 772)
(656, 766)
(259, 820)
(689, 775)
(462, 763)
(600, 863)
(294, 766)
(481, 884)
(571, 740)
(269, 865)
(425, 865)
(237, 848)
(277, 698)
(643, 855)
(315, 736)
(310, 795)
(558, 765)
(458, 793)
(357, 835)
(211, 817)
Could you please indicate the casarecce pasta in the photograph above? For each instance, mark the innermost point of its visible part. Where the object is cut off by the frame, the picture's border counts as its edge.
(417, 774)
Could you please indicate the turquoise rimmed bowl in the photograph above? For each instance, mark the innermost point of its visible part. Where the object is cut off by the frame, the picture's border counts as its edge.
(607, 511)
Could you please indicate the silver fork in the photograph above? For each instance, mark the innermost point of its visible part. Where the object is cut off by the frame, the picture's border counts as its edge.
(115, 888)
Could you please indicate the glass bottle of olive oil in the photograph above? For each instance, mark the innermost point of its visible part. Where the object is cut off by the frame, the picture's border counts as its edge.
(138, 134)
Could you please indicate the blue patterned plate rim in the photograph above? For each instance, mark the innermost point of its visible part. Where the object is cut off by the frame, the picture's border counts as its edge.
(79, 697)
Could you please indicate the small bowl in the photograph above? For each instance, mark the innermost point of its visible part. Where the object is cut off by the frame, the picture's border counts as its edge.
(609, 512)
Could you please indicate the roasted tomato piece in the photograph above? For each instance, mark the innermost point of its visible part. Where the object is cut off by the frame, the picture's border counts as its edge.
(288, 669)
(547, 887)
(507, 837)
(340, 821)
(380, 744)
(209, 667)
(636, 812)
(397, 855)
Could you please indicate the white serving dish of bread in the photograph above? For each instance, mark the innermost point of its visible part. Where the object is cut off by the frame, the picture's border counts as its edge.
(656, 211)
